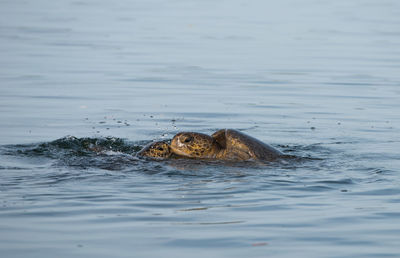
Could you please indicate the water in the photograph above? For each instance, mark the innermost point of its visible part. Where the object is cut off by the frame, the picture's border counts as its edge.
(85, 84)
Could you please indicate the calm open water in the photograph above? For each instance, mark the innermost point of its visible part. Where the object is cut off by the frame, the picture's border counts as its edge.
(85, 84)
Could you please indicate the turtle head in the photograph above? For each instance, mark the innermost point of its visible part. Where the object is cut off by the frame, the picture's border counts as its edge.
(194, 145)
(156, 150)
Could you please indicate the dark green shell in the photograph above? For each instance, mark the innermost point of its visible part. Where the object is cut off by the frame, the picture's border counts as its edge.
(239, 146)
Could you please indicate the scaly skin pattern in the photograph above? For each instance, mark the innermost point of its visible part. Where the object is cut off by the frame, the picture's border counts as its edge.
(156, 150)
(195, 145)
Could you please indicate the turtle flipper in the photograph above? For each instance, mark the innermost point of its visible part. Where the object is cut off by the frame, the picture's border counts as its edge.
(220, 137)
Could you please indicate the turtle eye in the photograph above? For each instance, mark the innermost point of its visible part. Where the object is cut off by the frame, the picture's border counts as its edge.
(160, 148)
(188, 139)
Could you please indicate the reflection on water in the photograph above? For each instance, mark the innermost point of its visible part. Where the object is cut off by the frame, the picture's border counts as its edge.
(318, 80)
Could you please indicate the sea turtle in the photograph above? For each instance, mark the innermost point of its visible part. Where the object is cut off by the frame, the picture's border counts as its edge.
(225, 144)
(156, 150)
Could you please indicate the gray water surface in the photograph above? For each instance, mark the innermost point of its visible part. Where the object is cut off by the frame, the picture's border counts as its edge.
(84, 85)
